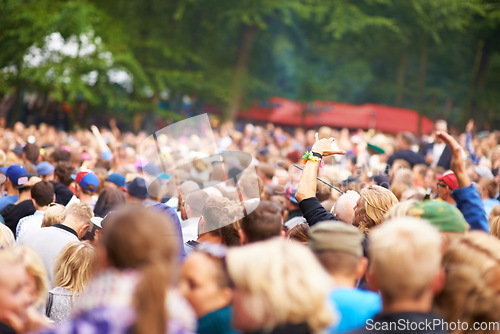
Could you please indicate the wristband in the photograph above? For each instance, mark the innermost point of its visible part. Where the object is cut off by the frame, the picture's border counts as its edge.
(316, 154)
(310, 156)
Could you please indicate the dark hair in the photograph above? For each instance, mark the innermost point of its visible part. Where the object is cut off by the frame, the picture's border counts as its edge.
(298, 233)
(108, 200)
(32, 152)
(263, 223)
(150, 249)
(43, 193)
(229, 235)
(196, 201)
(63, 171)
(60, 156)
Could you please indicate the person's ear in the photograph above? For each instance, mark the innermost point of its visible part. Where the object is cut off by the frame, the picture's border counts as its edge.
(34, 203)
(226, 296)
(371, 281)
(438, 281)
(361, 267)
(83, 229)
(243, 237)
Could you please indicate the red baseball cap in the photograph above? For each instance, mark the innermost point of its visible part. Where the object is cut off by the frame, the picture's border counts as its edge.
(449, 178)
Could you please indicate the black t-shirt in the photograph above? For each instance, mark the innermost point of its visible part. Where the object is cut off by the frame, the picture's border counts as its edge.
(404, 322)
(12, 213)
(314, 212)
(63, 193)
(6, 329)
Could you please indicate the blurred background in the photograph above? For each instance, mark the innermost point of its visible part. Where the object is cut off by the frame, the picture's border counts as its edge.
(147, 63)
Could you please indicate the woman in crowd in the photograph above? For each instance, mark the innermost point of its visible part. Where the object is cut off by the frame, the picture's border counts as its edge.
(136, 257)
(283, 293)
(73, 270)
(206, 286)
(37, 276)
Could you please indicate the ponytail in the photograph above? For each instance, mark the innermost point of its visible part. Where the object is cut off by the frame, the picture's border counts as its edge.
(150, 300)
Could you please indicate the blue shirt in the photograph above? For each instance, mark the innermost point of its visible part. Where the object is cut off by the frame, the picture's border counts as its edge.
(489, 203)
(355, 307)
(6, 200)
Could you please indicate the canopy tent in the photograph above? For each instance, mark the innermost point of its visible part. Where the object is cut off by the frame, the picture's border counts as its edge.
(339, 115)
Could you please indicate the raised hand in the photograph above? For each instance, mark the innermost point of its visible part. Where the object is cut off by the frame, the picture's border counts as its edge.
(324, 146)
(457, 160)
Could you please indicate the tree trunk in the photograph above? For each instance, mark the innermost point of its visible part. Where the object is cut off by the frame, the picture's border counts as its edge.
(422, 72)
(480, 71)
(400, 79)
(247, 39)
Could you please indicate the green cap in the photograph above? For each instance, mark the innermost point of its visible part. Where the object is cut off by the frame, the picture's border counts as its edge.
(376, 149)
(444, 216)
(336, 236)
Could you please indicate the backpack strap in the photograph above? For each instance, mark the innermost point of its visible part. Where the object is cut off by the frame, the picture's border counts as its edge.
(49, 304)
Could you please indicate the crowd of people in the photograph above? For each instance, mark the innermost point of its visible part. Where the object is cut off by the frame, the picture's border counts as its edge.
(249, 229)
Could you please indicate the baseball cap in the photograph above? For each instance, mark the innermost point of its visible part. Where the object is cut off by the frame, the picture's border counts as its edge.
(44, 168)
(97, 221)
(117, 179)
(137, 188)
(290, 192)
(484, 172)
(444, 216)
(336, 236)
(17, 174)
(86, 180)
(449, 178)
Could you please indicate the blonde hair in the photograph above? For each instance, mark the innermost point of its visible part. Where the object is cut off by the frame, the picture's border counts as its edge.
(6, 237)
(400, 209)
(80, 211)
(53, 215)
(300, 297)
(478, 249)
(405, 256)
(495, 227)
(375, 201)
(470, 294)
(34, 266)
(74, 267)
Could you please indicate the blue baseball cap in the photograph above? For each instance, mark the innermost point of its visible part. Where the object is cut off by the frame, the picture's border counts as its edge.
(17, 174)
(117, 179)
(44, 168)
(86, 180)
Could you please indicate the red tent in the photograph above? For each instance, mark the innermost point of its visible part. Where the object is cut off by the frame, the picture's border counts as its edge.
(339, 115)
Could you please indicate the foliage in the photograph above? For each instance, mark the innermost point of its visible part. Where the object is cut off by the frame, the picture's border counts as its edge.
(440, 57)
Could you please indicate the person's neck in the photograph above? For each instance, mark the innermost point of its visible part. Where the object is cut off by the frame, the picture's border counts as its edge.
(24, 196)
(341, 281)
(134, 200)
(450, 200)
(86, 199)
(420, 305)
(11, 191)
(41, 208)
(208, 238)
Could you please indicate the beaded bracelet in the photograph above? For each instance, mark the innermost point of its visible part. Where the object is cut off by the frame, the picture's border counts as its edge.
(311, 156)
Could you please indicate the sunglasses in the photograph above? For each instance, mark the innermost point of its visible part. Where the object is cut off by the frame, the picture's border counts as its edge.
(444, 185)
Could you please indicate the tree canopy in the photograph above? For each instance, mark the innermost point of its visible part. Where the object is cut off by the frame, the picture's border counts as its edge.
(440, 57)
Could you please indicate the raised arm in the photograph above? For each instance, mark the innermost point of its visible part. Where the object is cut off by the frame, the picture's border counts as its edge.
(467, 197)
(312, 210)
